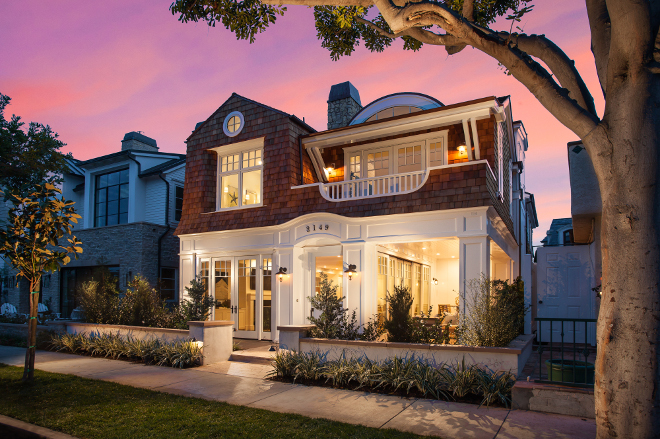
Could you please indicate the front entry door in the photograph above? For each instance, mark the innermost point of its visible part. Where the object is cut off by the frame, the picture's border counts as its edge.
(242, 294)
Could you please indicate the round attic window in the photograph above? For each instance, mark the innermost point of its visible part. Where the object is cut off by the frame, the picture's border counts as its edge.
(233, 124)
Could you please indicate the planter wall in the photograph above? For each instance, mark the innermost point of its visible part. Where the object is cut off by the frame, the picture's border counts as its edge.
(20, 329)
(511, 358)
(216, 336)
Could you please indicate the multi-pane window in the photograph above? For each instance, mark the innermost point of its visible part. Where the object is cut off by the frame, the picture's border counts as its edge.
(111, 200)
(378, 163)
(168, 284)
(240, 179)
(354, 167)
(436, 153)
(267, 287)
(382, 265)
(233, 124)
(410, 158)
(178, 203)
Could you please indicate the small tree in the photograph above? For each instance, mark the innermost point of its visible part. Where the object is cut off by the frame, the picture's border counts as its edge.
(142, 306)
(334, 321)
(198, 308)
(329, 323)
(37, 222)
(399, 325)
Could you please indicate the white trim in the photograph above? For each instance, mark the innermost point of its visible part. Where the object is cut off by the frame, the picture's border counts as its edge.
(232, 149)
(228, 118)
(388, 127)
(475, 136)
(238, 146)
(249, 206)
(386, 185)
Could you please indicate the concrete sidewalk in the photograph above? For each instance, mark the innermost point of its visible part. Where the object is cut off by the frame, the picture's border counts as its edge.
(243, 384)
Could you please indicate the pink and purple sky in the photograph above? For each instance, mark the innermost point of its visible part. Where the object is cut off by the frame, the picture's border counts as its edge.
(94, 71)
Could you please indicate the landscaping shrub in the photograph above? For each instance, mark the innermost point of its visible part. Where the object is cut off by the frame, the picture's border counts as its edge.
(198, 308)
(401, 327)
(334, 321)
(100, 299)
(495, 315)
(179, 353)
(142, 305)
(398, 375)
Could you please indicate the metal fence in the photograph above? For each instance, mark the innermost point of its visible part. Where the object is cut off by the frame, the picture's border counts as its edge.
(566, 358)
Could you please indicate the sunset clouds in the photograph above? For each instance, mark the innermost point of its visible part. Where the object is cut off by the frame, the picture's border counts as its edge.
(96, 70)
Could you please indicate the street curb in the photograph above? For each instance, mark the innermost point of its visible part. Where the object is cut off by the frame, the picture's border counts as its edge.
(15, 429)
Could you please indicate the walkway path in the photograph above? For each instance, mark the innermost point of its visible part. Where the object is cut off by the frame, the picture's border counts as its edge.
(243, 384)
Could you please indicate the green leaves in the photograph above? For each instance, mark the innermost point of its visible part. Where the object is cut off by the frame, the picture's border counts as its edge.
(245, 19)
(28, 158)
(37, 221)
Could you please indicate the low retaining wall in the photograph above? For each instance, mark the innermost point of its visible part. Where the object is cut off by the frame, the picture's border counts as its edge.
(139, 332)
(20, 330)
(511, 358)
(216, 337)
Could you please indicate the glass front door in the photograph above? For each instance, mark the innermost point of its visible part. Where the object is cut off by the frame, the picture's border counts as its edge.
(242, 292)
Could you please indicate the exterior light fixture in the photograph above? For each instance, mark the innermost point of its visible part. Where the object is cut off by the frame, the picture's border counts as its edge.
(461, 149)
(281, 273)
(435, 281)
(350, 271)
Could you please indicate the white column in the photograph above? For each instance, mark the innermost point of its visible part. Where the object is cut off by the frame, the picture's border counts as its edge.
(283, 291)
(353, 289)
(474, 260)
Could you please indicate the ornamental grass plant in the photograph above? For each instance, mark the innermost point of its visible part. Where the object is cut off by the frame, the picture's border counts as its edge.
(178, 353)
(399, 375)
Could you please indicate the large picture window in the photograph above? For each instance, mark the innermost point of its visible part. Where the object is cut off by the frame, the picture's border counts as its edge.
(240, 179)
(111, 199)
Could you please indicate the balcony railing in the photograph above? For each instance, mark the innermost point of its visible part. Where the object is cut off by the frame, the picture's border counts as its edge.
(371, 187)
(568, 355)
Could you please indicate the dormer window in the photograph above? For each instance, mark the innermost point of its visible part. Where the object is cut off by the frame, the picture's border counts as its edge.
(240, 173)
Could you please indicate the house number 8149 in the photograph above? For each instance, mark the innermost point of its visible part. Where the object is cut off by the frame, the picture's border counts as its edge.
(315, 227)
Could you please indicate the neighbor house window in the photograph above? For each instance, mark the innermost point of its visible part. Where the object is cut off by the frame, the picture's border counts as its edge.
(239, 178)
(111, 199)
(178, 203)
(168, 290)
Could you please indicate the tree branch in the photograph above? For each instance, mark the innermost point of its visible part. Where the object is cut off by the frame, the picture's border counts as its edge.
(560, 65)
(601, 33)
(468, 10)
(421, 35)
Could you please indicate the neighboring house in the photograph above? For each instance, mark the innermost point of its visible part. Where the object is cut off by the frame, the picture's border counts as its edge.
(403, 190)
(130, 202)
(569, 268)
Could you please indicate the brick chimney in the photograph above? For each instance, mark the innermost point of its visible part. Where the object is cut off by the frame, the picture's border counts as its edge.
(343, 104)
(135, 141)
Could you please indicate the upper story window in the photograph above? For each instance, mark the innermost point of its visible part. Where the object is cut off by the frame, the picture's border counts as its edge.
(178, 203)
(240, 178)
(233, 123)
(111, 199)
(568, 237)
(386, 158)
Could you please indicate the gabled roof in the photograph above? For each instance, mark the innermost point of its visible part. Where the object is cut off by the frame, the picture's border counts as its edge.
(127, 153)
(293, 117)
(163, 167)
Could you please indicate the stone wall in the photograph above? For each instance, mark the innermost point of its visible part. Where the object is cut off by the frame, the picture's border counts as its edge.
(341, 111)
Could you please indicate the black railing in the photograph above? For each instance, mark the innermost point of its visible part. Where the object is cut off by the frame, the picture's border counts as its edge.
(561, 368)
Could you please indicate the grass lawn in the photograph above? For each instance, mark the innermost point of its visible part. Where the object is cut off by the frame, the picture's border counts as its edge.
(97, 409)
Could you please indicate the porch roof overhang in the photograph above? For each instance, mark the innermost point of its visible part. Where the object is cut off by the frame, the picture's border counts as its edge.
(408, 123)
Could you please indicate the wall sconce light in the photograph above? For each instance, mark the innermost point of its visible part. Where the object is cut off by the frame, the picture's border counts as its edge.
(281, 273)
(461, 149)
(350, 271)
(435, 281)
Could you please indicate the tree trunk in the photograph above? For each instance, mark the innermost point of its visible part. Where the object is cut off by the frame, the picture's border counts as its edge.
(624, 150)
(28, 372)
